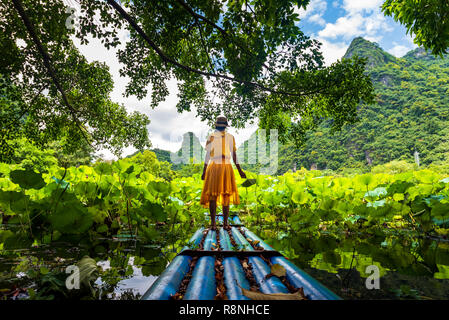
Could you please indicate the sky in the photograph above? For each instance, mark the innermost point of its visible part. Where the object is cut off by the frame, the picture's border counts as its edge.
(333, 22)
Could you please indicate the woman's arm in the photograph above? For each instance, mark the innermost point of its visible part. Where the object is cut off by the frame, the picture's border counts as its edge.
(236, 162)
(206, 160)
(237, 165)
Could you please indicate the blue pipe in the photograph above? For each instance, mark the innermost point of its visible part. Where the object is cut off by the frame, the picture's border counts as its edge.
(260, 268)
(253, 237)
(225, 242)
(313, 289)
(299, 278)
(168, 282)
(202, 286)
(233, 271)
(240, 240)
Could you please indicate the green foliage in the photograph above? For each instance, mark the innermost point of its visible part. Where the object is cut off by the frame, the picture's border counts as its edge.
(254, 55)
(305, 200)
(375, 55)
(123, 199)
(427, 20)
(410, 116)
(27, 179)
(128, 195)
(151, 164)
(32, 105)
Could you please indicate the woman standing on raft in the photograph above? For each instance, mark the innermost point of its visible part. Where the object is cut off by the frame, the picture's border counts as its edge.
(218, 174)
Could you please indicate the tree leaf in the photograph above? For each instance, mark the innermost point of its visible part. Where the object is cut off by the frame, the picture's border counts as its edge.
(278, 270)
(257, 295)
(88, 271)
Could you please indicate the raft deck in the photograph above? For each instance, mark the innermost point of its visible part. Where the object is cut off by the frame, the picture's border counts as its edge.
(202, 283)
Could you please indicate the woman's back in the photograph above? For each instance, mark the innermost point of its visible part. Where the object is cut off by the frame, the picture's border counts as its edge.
(220, 146)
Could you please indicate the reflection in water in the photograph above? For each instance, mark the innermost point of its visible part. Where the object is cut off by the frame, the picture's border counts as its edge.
(410, 266)
(128, 269)
(137, 283)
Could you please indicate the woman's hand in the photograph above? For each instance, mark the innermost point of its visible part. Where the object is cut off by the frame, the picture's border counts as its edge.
(242, 174)
(203, 175)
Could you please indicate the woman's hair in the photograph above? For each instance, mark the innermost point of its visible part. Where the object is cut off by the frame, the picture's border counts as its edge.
(220, 128)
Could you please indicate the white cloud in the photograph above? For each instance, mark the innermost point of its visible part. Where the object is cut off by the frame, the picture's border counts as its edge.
(314, 12)
(354, 25)
(354, 6)
(347, 27)
(332, 51)
(318, 19)
(399, 50)
(362, 18)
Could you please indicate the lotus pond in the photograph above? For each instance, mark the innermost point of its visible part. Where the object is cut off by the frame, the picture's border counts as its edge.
(410, 267)
(130, 225)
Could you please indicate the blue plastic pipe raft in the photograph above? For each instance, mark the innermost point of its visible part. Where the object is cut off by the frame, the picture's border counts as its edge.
(260, 268)
(169, 281)
(312, 288)
(233, 271)
(202, 285)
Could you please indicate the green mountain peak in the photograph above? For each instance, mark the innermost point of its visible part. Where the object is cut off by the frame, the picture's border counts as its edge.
(370, 50)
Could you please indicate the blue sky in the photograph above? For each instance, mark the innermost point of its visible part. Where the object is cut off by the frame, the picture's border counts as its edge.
(334, 22)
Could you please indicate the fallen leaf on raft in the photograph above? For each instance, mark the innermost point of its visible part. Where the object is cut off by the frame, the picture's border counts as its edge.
(256, 242)
(221, 289)
(257, 295)
(176, 296)
(278, 270)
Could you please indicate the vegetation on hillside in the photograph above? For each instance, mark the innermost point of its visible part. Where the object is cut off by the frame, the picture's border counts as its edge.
(409, 120)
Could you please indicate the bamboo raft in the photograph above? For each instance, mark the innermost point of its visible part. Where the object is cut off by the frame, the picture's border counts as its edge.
(202, 283)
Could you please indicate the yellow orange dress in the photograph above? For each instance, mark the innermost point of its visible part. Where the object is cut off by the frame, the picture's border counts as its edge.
(219, 181)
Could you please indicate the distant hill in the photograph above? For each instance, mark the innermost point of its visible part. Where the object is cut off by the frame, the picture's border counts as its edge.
(370, 50)
(410, 118)
(190, 148)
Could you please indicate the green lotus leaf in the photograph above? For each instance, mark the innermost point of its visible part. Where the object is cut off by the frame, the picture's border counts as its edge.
(300, 197)
(159, 187)
(154, 211)
(103, 169)
(376, 193)
(440, 210)
(71, 217)
(27, 179)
